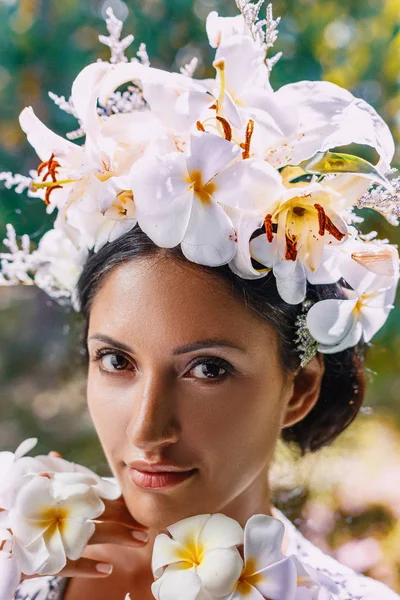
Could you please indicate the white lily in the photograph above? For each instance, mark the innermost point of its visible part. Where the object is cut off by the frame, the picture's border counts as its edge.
(180, 196)
(200, 559)
(326, 116)
(94, 230)
(313, 584)
(176, 100)
(340, 324)
(93, 174)
(52, 521)
(298, 228)
(10, 573)
(267, 573)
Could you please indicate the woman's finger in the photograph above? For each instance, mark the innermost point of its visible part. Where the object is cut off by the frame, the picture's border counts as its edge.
(84, 567)
(55, 454)
(117, 512)
(113, 533)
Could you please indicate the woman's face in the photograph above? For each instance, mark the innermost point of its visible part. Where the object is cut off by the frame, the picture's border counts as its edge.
(186, 376)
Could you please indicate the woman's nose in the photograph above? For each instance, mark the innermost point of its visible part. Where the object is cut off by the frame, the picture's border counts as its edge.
(154, 421)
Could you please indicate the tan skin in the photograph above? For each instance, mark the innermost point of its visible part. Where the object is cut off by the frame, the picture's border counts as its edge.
(150, 404)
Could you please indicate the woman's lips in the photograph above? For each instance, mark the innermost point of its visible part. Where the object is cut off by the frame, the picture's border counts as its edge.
(159, 479)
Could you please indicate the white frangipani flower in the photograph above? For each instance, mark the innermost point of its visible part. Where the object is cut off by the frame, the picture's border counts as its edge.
(267, 573)
(52, 521)
(10, 573)
(313, 584)
(340, 324)
(200, 559)
(180, 196)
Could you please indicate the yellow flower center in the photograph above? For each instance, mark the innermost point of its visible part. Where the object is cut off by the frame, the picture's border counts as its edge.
(203, 191)
(248, 579)
(53, 518)
(191, 553)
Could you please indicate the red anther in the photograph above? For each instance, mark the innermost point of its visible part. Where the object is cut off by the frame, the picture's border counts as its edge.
(321, 219)
(291, 249)
(268, 227)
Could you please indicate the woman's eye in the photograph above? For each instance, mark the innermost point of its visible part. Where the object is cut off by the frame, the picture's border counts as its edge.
(112, 361)
(215, 369)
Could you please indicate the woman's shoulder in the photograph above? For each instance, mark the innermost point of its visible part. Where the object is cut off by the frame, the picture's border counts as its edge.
(352, 585)
(41, 588)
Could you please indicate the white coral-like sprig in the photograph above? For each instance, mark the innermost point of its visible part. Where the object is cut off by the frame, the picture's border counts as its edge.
(264, 31)
(113, 41)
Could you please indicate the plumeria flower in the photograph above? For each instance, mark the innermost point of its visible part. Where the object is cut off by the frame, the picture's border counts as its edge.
(52, 521)
(340, 324)
(91, 175)
(266, 572)
(17, 469)
(199, 561)
(313, 584)
(10, 573)
(180, 196)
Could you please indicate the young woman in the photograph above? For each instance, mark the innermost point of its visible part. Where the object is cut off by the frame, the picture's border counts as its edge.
(210, 246)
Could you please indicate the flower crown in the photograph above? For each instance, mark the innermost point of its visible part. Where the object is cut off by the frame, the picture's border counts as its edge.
(233, 171)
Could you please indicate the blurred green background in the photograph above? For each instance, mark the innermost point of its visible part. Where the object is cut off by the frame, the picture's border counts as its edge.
(354, 513)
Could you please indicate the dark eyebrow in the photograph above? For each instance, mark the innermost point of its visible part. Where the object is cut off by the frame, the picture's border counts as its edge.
(179, 350)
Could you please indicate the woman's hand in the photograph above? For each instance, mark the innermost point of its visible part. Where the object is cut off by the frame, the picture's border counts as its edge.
(114, 526)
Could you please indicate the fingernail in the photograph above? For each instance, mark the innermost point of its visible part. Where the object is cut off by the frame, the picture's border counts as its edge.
(141, 536)
(104, 568)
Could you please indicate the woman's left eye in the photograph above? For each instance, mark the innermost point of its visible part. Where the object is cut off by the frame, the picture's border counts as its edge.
(211, 368)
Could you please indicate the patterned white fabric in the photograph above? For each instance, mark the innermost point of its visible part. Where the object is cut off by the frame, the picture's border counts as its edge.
(353, 586)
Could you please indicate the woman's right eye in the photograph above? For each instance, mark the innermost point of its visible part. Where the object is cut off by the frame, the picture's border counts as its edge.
(111, 361)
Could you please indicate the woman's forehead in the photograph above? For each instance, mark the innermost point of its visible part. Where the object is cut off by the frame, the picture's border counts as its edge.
(175, 303)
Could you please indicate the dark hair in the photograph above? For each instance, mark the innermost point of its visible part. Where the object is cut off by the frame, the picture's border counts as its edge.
(343, 383)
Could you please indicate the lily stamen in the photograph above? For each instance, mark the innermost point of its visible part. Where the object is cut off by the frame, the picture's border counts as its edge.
(246, 144)
(268, 227)
(325, 224)
(52, 166)
(226, 127)
(291, 249)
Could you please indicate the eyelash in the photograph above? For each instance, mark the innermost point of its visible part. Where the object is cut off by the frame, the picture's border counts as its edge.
(220, 362)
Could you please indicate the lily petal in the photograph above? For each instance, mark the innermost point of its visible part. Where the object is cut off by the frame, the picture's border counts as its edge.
(45, 142)
(245, 224)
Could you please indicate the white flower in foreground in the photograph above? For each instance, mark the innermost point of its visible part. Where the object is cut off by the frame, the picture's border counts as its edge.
(340, 324)
(180, 196)
(16, 470)
(52, 521)
(10, 573)
(200, 559)
(267, 573)
(313, 584)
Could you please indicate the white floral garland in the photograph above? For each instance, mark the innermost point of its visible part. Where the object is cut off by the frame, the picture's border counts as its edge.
(206, 163)
(49, 507)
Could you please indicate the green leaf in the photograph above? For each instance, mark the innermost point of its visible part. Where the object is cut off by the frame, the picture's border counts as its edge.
(324, 163)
